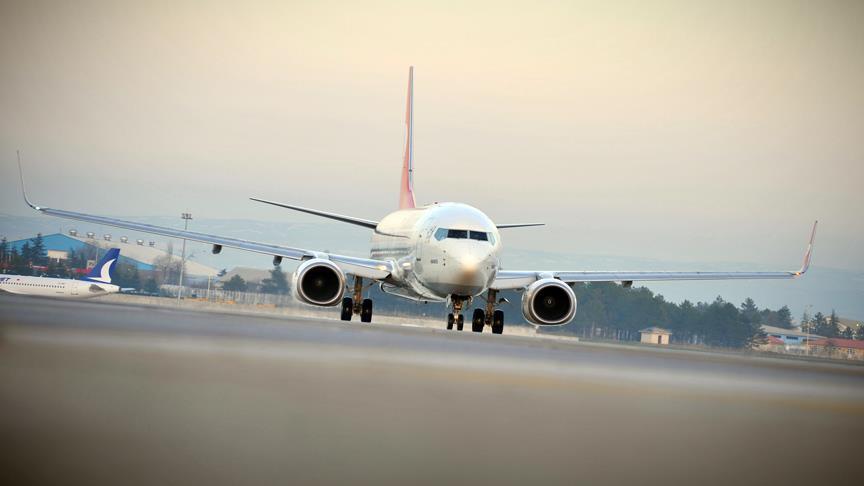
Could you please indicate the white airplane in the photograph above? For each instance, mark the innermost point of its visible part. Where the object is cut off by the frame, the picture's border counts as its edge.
(95, 284)
(441, 252)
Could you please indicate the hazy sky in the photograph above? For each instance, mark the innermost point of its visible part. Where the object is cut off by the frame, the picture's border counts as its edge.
(674, 130)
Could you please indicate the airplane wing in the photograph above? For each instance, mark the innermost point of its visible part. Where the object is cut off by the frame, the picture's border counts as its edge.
(361, 267)
(510, 279)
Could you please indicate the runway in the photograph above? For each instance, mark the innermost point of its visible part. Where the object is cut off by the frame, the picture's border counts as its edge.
(101, 393)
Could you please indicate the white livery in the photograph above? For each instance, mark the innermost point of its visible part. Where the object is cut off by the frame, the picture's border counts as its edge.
(442, 252)
(97, 283)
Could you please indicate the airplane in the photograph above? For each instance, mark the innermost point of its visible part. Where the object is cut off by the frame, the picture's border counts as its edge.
(97, 282)
(444, 252)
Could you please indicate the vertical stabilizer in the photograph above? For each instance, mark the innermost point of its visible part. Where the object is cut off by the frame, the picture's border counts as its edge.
(103, 272)
(406, 190)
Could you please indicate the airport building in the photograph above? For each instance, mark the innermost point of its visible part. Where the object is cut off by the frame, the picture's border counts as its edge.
(793, 340)
(143, 255)
(655, 335)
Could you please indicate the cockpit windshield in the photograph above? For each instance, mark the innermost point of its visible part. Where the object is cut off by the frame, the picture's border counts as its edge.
(459, 234)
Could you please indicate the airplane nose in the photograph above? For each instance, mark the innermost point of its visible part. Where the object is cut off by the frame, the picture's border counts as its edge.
(471, 269)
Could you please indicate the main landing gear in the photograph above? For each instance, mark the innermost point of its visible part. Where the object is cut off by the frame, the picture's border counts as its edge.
(480, 319)
(357, 304)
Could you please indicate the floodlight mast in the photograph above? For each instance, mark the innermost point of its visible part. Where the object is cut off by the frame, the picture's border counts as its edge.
(186, 217)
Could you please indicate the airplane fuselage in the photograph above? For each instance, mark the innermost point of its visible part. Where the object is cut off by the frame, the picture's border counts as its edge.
(439, 250)
(54, 287)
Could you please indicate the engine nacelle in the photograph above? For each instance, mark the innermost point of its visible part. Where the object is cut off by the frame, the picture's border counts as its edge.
(319, 282)
(549, 302)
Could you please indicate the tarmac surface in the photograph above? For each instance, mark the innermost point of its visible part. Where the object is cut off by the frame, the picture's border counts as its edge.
(100, 393)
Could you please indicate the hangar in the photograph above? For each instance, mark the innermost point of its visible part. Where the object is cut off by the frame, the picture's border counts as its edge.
(143, 255)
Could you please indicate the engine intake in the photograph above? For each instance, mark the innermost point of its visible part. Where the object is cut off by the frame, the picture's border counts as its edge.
(549, 302)
(319, 282)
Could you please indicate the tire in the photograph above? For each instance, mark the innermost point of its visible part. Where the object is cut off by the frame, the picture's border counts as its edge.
(460, 322)
(366, 311)
(498, 322)
(478, 321)
(347, 308)
(450, 322)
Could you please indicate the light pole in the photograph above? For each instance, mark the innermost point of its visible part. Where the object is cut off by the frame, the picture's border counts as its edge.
(186, 217)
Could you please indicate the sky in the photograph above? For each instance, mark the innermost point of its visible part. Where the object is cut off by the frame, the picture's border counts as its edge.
(678, 131)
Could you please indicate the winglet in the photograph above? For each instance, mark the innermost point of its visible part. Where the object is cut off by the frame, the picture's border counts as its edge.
(406, 190)
(806, 263)
(23, 188)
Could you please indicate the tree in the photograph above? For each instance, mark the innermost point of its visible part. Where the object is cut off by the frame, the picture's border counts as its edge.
(39, 254)
(820, 325)
(749, 312)
(833, 324)
(783, 318)
(725, 326)
(4, 247)
(859, 334)
(277, 283)
(27, 252)
(806, 322)
(847, 333)
(150, 286)
(236, 283)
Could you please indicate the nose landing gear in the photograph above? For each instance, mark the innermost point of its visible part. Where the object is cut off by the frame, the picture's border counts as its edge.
(456, 316)
(357, 305)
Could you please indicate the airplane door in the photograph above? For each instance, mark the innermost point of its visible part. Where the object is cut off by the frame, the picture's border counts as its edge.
(73, 288)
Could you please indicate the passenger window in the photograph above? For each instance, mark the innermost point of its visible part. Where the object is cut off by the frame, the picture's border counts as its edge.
(459, 234)
(440, 234)
(479, 236)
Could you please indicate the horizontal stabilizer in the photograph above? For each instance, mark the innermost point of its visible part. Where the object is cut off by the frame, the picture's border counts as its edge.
(366, 223)
(518, 225)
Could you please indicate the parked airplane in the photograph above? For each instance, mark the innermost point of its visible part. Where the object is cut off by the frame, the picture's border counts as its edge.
(441, 252)
(95, 284)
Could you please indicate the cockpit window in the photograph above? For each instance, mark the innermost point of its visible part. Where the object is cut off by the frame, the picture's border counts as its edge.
(442, 233)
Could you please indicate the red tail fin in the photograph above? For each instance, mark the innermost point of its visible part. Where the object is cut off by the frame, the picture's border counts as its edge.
(406, 192)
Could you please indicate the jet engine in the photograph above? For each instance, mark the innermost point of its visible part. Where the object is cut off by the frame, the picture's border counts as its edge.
(319, 282)
(549, 302)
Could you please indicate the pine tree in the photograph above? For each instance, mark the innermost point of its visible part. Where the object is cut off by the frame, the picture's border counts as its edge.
(236, 284)
(750, 312)
(820, 325)
(40, 255)
(859, 334)
(783, 318)
(277, 283)
(833, 325)
(4, 247)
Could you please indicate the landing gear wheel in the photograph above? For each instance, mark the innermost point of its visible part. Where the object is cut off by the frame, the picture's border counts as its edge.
(498, 322)
(366, 311)
(478, 321)
(347, 308)
(460, 322)
(450, 322)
